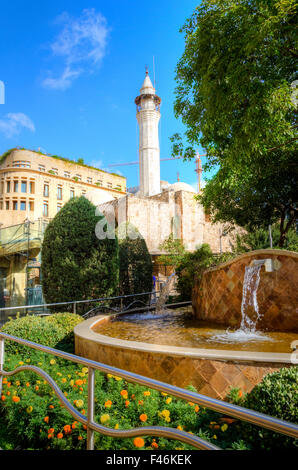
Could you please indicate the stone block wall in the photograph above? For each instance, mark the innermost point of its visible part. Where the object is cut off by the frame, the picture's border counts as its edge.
(217, 297)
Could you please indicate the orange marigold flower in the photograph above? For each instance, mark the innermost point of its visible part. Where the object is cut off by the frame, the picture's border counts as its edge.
(51, 430)
(79, 382)
(36, 387)
(83, 412)
(74, 424)
(147, 393)
(133, 396)
(8, 384)
(124, 393)
(141, 402)
(27, 384)
(154, 445)
(138, 442)
(4, 381)
(240, 394)
(143, 417)
(80, 438)
(67, 429)
(84, 426)
(46, 419)
(108, 404)
(51, 407)
(50, 436)
(127, 403)
(15, 399)
(59, 435)
(8, 393)
(3, 398)
(197, 408)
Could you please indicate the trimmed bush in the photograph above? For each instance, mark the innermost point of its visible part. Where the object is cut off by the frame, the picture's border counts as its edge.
(276, 396)
(135, 264)
(66, 321)
(76, 265)
(32, 328)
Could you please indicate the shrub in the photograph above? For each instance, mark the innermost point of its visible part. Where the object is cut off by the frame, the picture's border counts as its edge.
(76, 265)
(135, 264)
(67, 321)
(275, 396)
(34, 329)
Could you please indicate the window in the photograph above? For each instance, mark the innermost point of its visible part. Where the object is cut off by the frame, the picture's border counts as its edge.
(78, 177)
(21, 164)
(32, 187)
(99, 183)
(15, 186)
(31, 206)
(24, 186)
(7, 205)
(45, 211)
(66, 174)
(59, 192)
(46, 190)
(41, 168)
(72, 193)
(89, 180)
(109, 185)
(8, 187)
(54, 171)
(14, 205)
(23, 205)
(59, 206)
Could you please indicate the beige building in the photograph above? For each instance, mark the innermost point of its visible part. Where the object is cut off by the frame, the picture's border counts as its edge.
(34, 187)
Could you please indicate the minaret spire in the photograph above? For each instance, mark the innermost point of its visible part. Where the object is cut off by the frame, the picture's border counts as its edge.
(148, 116)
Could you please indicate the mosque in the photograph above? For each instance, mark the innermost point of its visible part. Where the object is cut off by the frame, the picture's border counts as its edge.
(157, 208)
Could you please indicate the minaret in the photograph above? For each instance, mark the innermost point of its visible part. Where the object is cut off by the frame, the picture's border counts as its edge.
(148, 116)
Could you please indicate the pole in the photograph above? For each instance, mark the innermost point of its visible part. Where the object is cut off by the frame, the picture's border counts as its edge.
(270, 236)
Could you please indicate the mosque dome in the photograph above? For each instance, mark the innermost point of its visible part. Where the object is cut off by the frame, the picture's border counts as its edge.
(180, 186)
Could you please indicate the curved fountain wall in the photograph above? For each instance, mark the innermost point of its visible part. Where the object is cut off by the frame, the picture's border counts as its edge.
(213, 372)
(217, 297)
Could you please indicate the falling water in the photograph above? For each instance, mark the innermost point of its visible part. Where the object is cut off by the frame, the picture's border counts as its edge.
(165, 292)
(249, 311)
(249, 306)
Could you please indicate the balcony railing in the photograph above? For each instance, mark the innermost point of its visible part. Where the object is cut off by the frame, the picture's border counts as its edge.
(229, 409)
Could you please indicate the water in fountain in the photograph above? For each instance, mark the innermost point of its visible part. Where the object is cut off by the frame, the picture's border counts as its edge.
(165, 292)
(249, 311)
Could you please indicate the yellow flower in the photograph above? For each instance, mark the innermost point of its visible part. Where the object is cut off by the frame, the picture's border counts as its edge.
(104, 419)
(85, 370)
(118, 378)
(17, 382)
(28, 360)
(168, 419)
(71, 383)
(165, 413)
(180, 428)
(38, 382)
(39, 363)
(52, 362)
(29, 409)
(79, 403)
(117, 426)
(81, 374)
(224, 427)
(65, 394)
(191, 403)
(214, 437)
(164, 394)
(63, 380)
(147, 394)
(21, 363)
(59, 374)
(168, 400)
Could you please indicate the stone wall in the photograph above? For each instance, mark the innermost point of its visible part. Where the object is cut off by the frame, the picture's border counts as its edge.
(218, 296)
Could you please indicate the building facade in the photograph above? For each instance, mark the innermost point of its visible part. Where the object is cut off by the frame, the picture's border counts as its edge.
(36, 186)
(33, 188)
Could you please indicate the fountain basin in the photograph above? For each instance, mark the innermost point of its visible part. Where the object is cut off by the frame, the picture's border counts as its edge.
(212, 371)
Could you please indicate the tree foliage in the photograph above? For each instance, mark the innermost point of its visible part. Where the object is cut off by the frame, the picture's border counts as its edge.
(135, 264)
(76, 265)
(174, 250)
(260, 239)
(235, 95)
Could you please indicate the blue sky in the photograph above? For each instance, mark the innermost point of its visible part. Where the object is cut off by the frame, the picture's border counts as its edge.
(72, 71)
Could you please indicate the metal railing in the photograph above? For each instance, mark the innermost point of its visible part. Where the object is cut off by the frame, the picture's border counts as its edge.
(230, 409)
(117, 303)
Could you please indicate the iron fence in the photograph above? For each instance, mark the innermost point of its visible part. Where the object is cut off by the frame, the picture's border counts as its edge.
(92, 426)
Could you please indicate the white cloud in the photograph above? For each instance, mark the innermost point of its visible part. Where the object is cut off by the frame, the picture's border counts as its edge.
(96, 164)
(13, 124)
(82, 45)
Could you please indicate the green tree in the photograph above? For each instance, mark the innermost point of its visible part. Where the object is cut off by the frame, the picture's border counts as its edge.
(174, 250)
(76, 265)
(135, 264)
(260, 239)
(235, 95)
